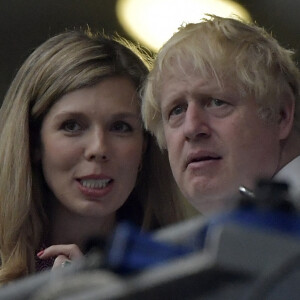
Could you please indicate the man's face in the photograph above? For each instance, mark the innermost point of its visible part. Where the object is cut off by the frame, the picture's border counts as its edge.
(215, 139)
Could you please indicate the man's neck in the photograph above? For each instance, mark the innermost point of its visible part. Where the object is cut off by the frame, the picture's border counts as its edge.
(290, 149)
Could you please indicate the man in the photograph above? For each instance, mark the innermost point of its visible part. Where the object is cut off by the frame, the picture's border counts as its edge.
(223, 99)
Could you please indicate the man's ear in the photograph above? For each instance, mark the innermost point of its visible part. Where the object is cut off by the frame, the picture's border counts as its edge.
(286, 115)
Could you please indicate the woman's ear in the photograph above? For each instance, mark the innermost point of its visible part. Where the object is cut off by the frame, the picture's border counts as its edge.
(286, 115)
(144, 149)
(145, 142)
(36, 155)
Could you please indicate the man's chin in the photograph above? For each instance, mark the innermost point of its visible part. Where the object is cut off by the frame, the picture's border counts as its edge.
(214, 205)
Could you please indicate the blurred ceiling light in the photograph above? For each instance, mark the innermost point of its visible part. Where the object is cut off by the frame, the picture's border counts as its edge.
(152, 22)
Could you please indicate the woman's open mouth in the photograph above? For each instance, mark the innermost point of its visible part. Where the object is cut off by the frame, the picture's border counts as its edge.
(95, 183)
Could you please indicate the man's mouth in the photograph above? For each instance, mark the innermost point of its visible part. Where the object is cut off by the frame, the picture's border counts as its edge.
(201, 158)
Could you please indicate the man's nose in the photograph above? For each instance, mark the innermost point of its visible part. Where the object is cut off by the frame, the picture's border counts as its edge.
(196, 123)
(96, 147)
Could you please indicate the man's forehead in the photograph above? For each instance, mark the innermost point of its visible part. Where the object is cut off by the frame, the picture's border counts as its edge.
(176, 85)
(178, 76)
(176, 68)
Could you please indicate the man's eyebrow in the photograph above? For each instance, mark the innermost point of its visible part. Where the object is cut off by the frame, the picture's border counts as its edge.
(171, 98)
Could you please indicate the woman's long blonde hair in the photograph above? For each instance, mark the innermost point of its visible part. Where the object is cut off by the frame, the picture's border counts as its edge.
(64, 63)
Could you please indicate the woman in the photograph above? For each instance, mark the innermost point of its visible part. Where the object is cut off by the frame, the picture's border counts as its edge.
(74, 156)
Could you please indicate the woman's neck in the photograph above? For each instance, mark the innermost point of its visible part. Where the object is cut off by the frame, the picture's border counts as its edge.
(67, 227)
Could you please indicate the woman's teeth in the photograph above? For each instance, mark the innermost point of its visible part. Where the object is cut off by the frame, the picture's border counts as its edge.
(95, 183)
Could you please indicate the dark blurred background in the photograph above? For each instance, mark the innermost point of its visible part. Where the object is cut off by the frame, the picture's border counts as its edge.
(24, 24)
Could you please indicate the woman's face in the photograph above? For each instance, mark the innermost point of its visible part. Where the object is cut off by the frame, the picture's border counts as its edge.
(92, 145)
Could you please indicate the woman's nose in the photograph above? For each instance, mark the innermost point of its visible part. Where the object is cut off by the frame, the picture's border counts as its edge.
(97, 146)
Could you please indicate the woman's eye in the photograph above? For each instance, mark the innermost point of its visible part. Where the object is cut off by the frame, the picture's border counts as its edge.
(121, 126)
(71, 126)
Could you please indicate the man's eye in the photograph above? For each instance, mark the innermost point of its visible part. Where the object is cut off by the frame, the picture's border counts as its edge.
(177, 110)
(71, 126)
(121, 126)
(219, 108)
(213, 102)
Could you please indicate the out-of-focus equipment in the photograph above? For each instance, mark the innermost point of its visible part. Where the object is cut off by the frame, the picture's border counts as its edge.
(251, 252)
